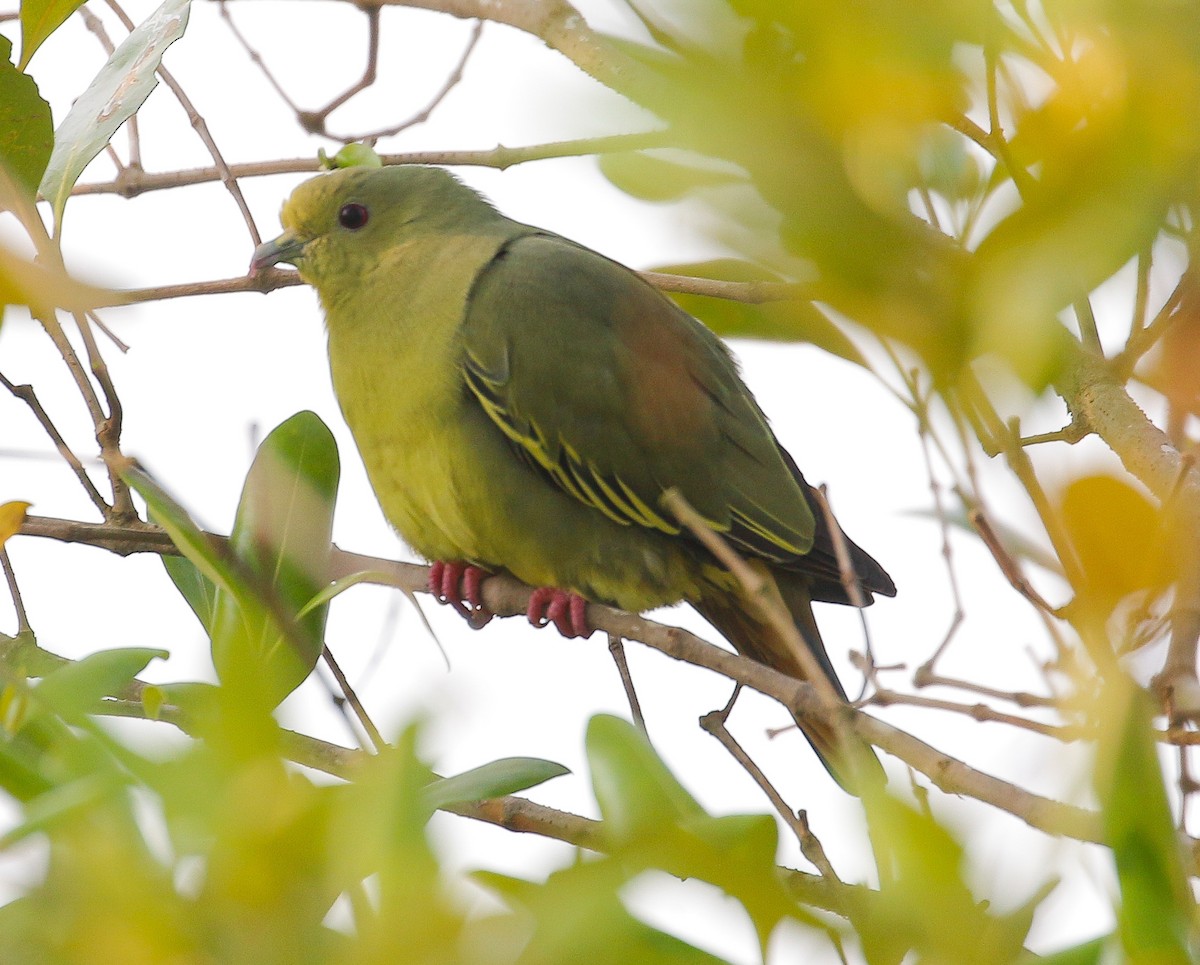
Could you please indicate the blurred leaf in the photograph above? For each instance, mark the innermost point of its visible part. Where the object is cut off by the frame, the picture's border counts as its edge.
(650, 177)
(21, 767)
(114, 96)
(784, 320)
(60, 803)
(1089, 953)
(43, 289)
(282, 532)
(341, 585)
(652, 822)
(26, 128)
(266, 888)
(1016, 543)
(578, 916)
(924, 889)
(509, 775)
(1157, 914)
(76, 688)
(12, 515)
(1118, 538)
(380, 830)
(153, 699)
(633, 787)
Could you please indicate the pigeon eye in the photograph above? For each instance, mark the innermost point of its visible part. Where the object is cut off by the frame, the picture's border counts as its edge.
(352, 216)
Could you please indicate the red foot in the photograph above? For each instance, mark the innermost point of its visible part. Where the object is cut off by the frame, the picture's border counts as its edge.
(458, 584)
(567, 611)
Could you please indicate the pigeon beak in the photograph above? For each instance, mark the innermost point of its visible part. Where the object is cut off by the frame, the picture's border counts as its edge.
(286, 248)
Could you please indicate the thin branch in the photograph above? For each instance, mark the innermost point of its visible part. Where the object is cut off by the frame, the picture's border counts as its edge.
(201, 128)
(364, 719)
(14, 592)
(981, 713)
(1008, 566)
(108, 432)
(758, 590)
(27, 395)
(1018, 697)
(750, 292)
(421, 116)
(75, 367)
(314, 121)
(617, 648)
(714, 724)
(132, 183)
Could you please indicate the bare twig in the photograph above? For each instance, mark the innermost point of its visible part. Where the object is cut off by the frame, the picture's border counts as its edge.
(14, 591)
(133, 183)
(272, 278)
(617, 648)
(27, 395)
(360, 712)
(108, 432)
(1018, 697)
(198, 124)
(314, 121)
(421, 116)
(761, 593)
(810, 846)
(1008, 566)
(925, 433)
(982, 713)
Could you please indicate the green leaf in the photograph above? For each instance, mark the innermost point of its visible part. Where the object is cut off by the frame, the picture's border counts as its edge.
(509, 775)
(114, 96)
(579, 908)
(61, 802)
(652, 822)
(74, 689)
(282, 532)
(1156, 914)
(207, 556)
(197, 589)
(1089, 953)
(39, 19)
(26, 128)
(923, 868)
(652, 178)
(781, 320)
(249, 693)
(635, 790)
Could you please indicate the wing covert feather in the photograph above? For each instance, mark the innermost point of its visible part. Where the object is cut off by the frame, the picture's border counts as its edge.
(616, 394)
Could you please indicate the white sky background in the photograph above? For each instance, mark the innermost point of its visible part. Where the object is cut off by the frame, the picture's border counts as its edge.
(207, 375)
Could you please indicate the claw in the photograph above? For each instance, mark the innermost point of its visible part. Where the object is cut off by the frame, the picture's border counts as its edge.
(460, 585)
(567, 611)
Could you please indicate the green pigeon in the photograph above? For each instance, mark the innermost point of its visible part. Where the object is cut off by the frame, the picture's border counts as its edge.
(522, 403)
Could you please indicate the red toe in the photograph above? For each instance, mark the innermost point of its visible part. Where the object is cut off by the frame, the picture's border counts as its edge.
(460, 585)
(567, 611)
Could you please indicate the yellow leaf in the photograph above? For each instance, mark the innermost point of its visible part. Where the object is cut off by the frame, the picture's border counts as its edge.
(24, 282)
(12, 515)
(1118, 537)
